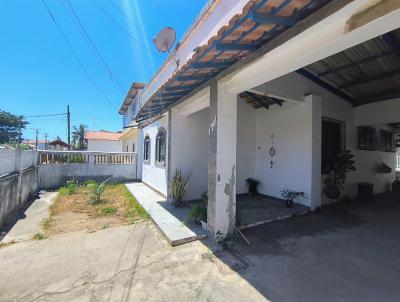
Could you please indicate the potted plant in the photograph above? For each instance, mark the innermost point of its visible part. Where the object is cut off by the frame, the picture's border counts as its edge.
(178, 186)
(290, 196)
(252, 185)
(334, 183)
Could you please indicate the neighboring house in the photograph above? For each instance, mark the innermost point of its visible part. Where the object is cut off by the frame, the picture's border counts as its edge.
(270, 90)
(129, 137)
(57, 145)
(104, 141)
(41, 144)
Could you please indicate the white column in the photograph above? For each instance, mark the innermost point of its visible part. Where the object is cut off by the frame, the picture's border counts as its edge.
(315, 128)
(221, 214)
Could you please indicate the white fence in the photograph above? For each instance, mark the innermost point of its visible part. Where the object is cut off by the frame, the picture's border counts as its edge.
(55, 167)
(14, 160)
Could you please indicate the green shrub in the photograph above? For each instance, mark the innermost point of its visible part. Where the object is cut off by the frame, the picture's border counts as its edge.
(69, 188)
(198, 212)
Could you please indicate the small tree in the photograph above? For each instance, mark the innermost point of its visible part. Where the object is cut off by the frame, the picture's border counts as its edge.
(10, 126)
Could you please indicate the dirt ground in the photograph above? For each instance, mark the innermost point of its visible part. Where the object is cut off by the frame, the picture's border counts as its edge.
(75, 212)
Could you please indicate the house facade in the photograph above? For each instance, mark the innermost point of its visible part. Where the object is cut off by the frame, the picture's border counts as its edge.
(103, 141)
(274, 90)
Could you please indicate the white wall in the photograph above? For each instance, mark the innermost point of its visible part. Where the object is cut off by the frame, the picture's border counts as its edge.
(104, 145)
(127, 144)
(291, 169)
(152, 175)
(189, 150)
(246, 145)
(336, 108)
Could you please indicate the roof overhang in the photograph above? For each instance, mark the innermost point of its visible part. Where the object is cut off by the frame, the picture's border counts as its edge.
(259, 23)
(135, 87)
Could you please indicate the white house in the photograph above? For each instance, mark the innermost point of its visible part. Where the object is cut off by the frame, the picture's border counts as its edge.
(274, 90)
(57, 145)
(104, 141)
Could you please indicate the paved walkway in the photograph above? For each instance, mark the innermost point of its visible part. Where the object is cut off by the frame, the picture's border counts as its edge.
(30, 222)
(168, 218)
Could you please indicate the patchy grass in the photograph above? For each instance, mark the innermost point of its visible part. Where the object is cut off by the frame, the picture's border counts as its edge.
(38, 236)
(3, 244)
(72, 212)
(108, 210)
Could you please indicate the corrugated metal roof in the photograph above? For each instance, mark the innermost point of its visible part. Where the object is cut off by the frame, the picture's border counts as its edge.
(259, 22)
(367, 72)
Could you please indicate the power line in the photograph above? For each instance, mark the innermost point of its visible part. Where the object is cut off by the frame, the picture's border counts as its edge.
(76, 56)
(125, 15)
(123, 29)
(44, 115)
(79, 24)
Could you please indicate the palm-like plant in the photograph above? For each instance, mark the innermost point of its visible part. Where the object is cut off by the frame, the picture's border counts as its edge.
(343, 164)
(78, 137)
(179, 185)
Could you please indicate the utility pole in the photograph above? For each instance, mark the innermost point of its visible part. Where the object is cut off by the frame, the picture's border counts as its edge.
(45, 141)
(69, 127)
(37, 136)
(19, 133)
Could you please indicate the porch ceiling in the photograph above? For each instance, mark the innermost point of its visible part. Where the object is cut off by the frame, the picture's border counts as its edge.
(366, 73)
(260, 22)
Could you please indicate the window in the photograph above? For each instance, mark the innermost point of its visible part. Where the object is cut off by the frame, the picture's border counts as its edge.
(126, 148)
(387, 142)
(366, 138)
(146, 149)
(133, 147)
(161, 147)
(333, 142)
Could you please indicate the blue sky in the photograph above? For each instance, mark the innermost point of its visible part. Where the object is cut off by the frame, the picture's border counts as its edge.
(39, 75)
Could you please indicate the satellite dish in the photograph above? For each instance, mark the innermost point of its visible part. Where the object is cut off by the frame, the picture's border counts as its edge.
(165, 39)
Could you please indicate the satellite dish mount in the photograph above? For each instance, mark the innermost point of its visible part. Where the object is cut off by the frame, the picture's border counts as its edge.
(165, 40)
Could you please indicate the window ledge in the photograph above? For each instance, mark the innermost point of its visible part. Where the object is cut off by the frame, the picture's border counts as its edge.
(160, 164)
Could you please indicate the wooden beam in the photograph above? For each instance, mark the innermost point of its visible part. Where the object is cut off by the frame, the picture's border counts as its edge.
(266, 18)
(175, 88)
(193, 78)
(222, 64)
(235, 47)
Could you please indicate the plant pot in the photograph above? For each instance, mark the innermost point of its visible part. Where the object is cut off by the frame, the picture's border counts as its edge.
(289, 203)
(204, 225)
(177, 202)
(332, 192)
(396, 186)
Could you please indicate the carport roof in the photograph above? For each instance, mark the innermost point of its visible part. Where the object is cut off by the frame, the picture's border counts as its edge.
(366, 73)
(260, 22)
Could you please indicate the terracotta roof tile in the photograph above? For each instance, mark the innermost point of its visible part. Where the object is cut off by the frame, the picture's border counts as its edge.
(102, 135)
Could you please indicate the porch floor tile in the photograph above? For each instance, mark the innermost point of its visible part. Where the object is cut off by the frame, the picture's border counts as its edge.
(261, 209)
(169, 219)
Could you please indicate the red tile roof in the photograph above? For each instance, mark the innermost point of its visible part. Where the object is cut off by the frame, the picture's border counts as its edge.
(102, 135)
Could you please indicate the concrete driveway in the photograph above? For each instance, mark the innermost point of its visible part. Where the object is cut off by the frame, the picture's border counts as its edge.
(344, 253)
(127, 263)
